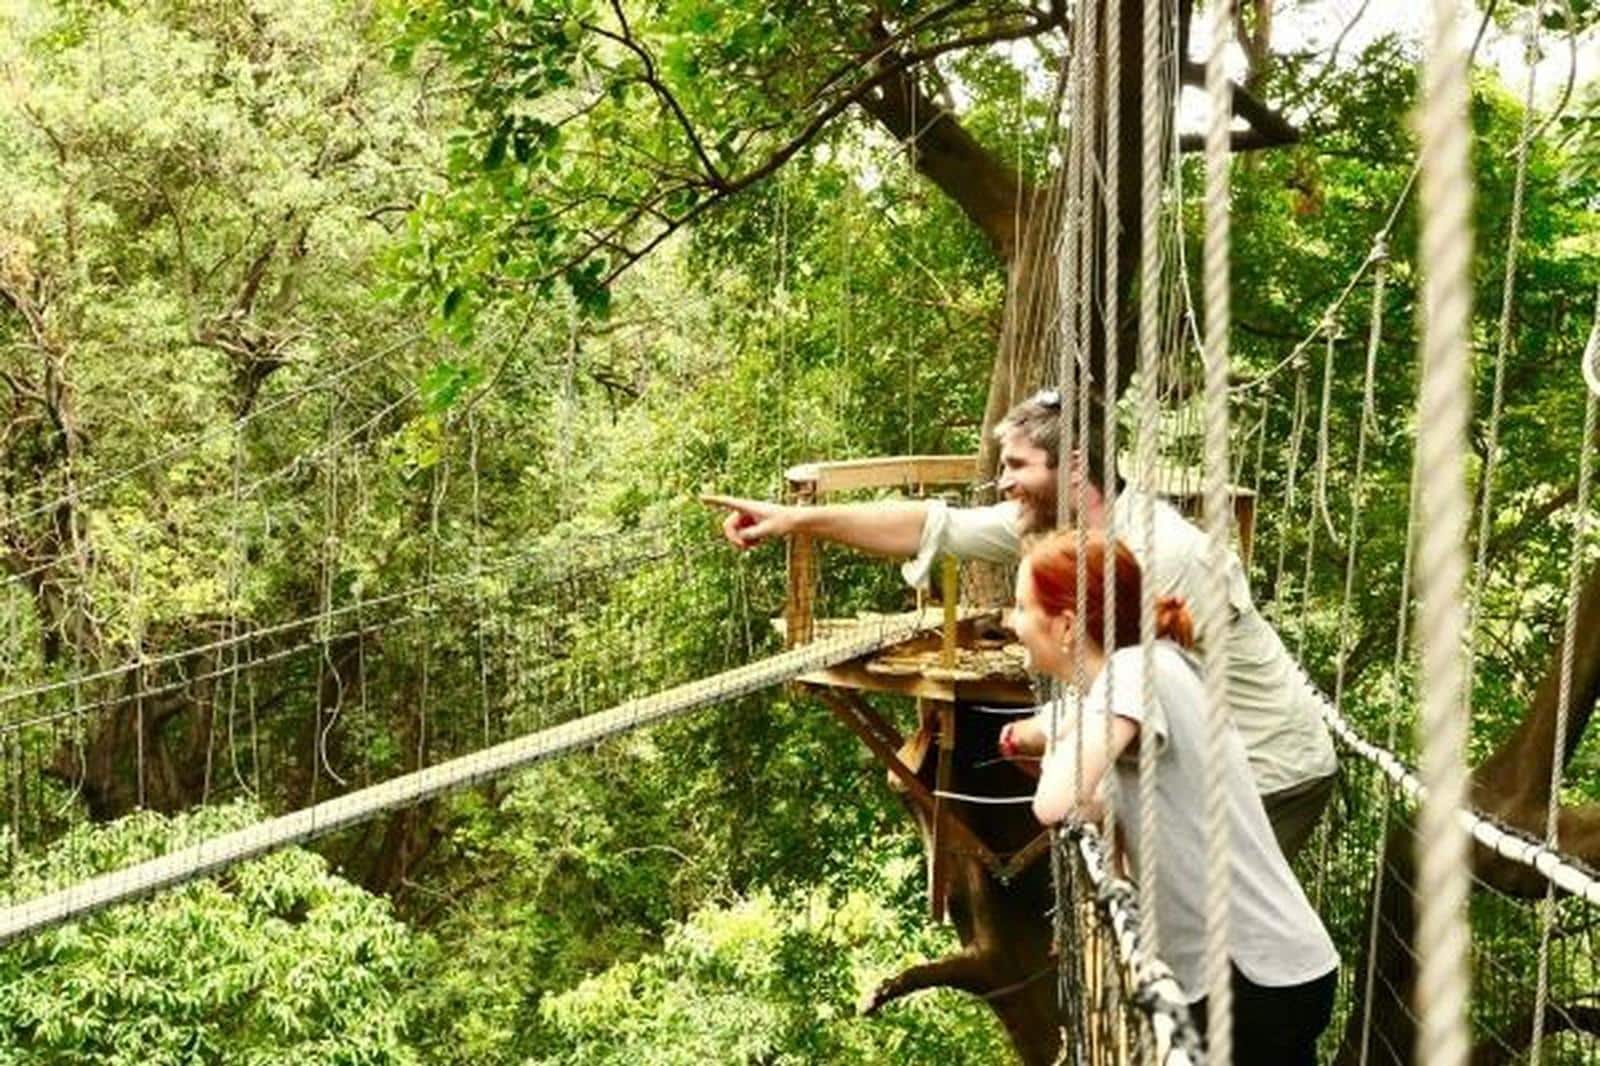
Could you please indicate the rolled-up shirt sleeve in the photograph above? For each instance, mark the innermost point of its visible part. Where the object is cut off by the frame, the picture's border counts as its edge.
(985, 533)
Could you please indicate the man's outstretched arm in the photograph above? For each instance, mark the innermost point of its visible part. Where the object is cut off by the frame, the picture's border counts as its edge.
(889, 527)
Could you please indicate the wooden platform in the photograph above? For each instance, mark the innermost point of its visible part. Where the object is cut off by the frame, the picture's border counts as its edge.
(987, 668)
(984, 667)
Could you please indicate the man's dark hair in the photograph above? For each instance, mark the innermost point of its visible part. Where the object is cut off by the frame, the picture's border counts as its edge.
(1038, 419)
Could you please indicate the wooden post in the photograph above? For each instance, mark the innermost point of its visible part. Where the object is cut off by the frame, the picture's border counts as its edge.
(939, 882)
(1244, 516)
(950, 592)
(799, 613)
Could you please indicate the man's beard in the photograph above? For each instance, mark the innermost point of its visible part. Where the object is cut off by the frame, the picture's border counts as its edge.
(1038, 515)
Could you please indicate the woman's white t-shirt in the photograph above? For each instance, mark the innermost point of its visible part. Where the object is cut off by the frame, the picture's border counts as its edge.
(1274, 935)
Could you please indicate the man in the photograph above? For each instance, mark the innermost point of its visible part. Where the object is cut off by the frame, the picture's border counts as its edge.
(1272, 704)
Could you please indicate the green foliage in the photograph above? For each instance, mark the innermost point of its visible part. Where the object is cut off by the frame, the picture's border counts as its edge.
(277, 961)
(767, 980)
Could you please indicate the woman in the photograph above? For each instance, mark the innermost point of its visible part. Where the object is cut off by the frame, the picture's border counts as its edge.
(1284, 964)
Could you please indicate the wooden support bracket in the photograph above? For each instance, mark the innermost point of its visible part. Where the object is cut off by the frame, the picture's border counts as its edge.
(865, 723)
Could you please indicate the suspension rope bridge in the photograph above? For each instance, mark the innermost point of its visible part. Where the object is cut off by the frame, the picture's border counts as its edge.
(1127, 1004)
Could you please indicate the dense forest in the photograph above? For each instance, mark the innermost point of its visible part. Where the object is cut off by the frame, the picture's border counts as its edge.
(361, 365)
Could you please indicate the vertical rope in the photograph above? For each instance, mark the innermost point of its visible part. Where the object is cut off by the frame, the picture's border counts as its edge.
(136, 626)
(1443, 878)
(1150, 268)
(235, 585)
(1214, 615)
(1088, 156)
(1069, 281)
(326, 666)
(1318, 508)
(1357, 497)
(477, 569)
(1580, 532)
(1508, 289)
(1297, 426)
(1113, 338)
(1407, 559)
(1331, 327)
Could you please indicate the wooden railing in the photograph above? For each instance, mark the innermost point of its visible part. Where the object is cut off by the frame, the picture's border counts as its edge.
(810, 483)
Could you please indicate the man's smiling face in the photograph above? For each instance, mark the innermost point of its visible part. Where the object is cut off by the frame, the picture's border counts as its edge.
(1028, 478)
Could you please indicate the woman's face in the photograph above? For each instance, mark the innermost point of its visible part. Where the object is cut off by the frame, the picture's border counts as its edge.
(1040, 633)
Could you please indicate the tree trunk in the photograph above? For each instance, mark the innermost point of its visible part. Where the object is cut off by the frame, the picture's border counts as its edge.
(1004, 927)
(1021, 222)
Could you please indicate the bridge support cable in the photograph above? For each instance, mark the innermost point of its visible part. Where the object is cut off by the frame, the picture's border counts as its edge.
(1560, 870)
(211, 856)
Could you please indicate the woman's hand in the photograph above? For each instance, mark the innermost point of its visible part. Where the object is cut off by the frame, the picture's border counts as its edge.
(1022, 739)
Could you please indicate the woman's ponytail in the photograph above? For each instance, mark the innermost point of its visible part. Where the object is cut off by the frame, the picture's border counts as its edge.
(1174, 622)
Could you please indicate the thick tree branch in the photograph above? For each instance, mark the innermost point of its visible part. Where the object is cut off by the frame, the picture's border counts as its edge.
(1238, 141)
(1515, 778)
(1268, 128)
(985, 189)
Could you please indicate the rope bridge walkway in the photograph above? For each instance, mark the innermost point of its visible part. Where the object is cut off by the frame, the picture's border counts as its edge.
(210, 856)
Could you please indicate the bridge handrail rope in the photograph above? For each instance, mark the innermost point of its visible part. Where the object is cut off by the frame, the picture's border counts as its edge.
(466, 578)
(1562, 871)
(1155, 991)
(210, 856)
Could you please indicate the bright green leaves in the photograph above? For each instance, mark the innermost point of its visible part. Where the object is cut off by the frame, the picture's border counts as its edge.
(280, 961)
(444, 382)
(524, 136)
(767, 980)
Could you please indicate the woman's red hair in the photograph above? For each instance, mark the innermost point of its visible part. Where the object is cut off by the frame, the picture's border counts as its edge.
(1053, 564)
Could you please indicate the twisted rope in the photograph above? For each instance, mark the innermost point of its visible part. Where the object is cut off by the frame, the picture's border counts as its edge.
(1565, 872)
(1153, 988)
(198, 860)
(1446, 244)
(1508, 290)
(1357, 496)
(1150, 267)
(1214, 615)
(1113, 333)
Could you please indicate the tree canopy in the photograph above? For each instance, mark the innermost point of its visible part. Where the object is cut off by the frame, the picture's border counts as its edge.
(360, 365)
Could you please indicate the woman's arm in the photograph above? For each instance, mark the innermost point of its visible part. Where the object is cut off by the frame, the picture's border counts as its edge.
(1070, 777)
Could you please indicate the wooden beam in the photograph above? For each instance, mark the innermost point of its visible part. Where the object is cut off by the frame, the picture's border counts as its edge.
(939, 883)
(852, 710)
(857, 677)
(799, 608)
(898, 471)
(1025, 858)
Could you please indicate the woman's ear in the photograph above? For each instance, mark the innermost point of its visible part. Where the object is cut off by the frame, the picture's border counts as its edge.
(1061, 627)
